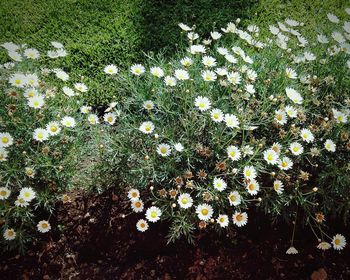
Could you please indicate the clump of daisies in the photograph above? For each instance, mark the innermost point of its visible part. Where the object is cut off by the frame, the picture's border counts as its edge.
(240, 118)
(40, 134)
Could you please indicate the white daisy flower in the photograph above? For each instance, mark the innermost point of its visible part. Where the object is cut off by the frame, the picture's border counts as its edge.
(233, 153)
(278, 186)
(4, 193)
(324, 246)
(110, 118)
(68, 121)
(330, 146)
(28, 194)
(223, 220)
(231, 58)
(309, 56)
(217, 115)
(231, 121)
(134, 194)
(30, 172)
(339, 117)
(337, 36)
(60, 74)
(30, 92)
(240, 218)
(186, 61)
(184, 27)
(209, 76)
(253, 187)
(339, 242)
(146, 127)
(209, 61)
(18, 80)
(85, 109)
(40, 134)
(307, 135)
(153, 214)
(31, 53)
(234, 198)
(142, 225)
(294, 95)
(222, 51)
(296, 148)
(68, 91)
(164, 150)
(192, 36)
(93, 119)
(179, 147)
(10, 46)
(181, 74)
(111, 69)
(271, 156)
(221, 71)
(170, 81)
(204, 212)
(43, 226)
(20, 202)
(36, 102)
(3, 154)
(137, 205)
(219, 184)
(249, 172)
(80, 87)
(148, 105)
(292, 22)
(202, 103)
(157, 72)
(277, 148)
(249, 88)
(57, 45)
(215, 35)
(292, 251)
(185, 200)
(251, 75)
(291, 74)
(194, 49)
(280, 117)
(15, 56)
(234, 78)
(285, 163)
(291, 111)
(6, 140)
(137, 69)
(32, 80)
(333, 18)
(322, 39)
(9, 234)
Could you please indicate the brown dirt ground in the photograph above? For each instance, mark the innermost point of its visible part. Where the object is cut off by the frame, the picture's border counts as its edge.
(98, 244)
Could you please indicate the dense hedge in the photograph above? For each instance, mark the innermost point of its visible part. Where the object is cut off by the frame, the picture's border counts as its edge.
(97, 33)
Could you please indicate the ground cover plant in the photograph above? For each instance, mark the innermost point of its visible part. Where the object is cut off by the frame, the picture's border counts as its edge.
(233, 118)
(239, 119)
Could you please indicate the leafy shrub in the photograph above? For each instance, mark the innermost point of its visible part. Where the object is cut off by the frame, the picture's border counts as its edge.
(40, 140)
(246, 119)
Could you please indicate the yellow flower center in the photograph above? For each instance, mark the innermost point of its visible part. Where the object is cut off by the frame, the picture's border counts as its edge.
(216, 116)
(134, 194)
(295, 149)
(163, 150)
(27, 194)
(247, 173)
(279, 117)
(205, 212)
(284, 164)
(36, 103)
(10, 233)
(137, 71)
(40, 135)
(251, 187)
(202, 105)
(18, 82)
(269, 157)
(5, 140)
(154, 214)
(233, 198)
(232, 153)
(337, 242)
(53, 128)
(142, 225)
(184, 201)
(138, 204)
(44, 225)
(239, 217)
(3, 193)
(109, 119)
(221, 220)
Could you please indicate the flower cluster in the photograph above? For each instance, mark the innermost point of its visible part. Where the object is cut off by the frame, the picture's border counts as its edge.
(246, 117)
